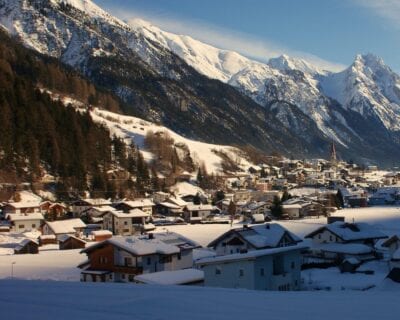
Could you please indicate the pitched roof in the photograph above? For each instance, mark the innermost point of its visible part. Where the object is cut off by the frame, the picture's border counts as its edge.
(250, 255)
(260, 236)
(139, 203)
(162, 243)
(25, 217)
(199, 207)
(175, 277)
(350, 231)
(66, 226)
(65, 237)
(135, 213)
(346, 248)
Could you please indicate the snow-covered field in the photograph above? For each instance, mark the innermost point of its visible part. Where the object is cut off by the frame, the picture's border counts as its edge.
(67, 300)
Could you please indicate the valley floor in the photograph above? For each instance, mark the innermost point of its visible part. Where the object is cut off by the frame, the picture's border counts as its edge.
(73, 300)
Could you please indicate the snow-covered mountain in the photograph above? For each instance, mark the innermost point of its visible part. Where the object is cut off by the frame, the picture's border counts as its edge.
(297, 107)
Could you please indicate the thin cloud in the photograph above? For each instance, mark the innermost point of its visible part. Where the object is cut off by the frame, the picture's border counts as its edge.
(245, 44)
(387, 9)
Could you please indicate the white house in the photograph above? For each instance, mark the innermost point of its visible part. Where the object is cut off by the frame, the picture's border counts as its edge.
(25, 222)
(125, 224)
(73, 227)
(267, 269)
(197, 212)
(145, 205)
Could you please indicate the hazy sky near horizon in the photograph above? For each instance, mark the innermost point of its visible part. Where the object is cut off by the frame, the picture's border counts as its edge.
(328, 33)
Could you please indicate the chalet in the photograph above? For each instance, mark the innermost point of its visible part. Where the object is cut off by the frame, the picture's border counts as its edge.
(194, 213)
(120, 259)
(266, 269)
(27, 246)
(253, 208)
(68, 242)
(343, 232)
(53, 211)
(73, 227)
(169, 209)
(265, 236)
(145, 205)
(25, 222)
(95, 214)
(79, 206)
(340, 240)
(125, 224)
(47, 239)
(21, 207)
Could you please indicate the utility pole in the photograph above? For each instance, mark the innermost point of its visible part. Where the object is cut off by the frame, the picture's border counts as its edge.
(12, 269)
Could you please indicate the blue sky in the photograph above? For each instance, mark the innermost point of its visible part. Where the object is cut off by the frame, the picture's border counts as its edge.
(329, 33)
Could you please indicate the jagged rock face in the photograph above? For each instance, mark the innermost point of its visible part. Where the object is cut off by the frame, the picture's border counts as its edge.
(295, 107)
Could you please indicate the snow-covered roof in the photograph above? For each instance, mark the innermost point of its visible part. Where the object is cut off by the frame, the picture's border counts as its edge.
(169, 205)
(291, 206)
(260, 236)
(65, 237)
(175, 277)
(135, 213)
(199, 207)
(103, 208)
(97, 201)
(66, 226)
(177, 200)
(23, 243)
(25, 217)
(346, 248)
(47, 237)
(101, 233)
(139, 203)
(249, 255)
(161, 243)
(350, 231)
(23, 204)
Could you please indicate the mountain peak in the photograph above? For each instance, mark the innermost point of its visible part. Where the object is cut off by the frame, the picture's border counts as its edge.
(285, 63)
(369, 60)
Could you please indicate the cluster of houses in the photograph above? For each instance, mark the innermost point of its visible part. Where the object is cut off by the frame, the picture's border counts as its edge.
(258, 257)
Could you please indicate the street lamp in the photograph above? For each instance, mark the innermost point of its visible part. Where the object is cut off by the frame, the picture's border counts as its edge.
(12, 269)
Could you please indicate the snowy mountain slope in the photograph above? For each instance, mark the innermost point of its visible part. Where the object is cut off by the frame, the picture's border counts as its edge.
(135, 129)
(151, 70)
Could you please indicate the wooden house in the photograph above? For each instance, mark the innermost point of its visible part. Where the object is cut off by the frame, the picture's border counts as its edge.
(145, 205)
(68, 242)
(101, 235)
(27, 246)
(120, 259)
(47, 239)
(25, 222)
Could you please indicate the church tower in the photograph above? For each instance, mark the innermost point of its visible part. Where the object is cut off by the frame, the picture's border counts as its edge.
(333, 156)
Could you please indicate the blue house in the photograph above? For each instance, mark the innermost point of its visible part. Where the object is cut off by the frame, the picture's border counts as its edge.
(276, 269)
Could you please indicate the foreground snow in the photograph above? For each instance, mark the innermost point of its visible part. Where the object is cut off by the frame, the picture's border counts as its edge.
(60, 300)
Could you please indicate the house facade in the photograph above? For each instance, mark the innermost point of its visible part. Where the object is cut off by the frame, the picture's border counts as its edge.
(25, 222)
(269, 269)
(125, 224)
(120, 259)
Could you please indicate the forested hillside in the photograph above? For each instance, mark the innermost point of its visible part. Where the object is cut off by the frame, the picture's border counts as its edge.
(39, 135)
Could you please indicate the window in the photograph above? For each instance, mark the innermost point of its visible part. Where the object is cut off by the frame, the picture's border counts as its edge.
(122, 275)
(21, 226)
(110, 276)
(165, 259)
(148, 261)
(330, 238)
(262, 272)
(130, 277)
(217, 270)
(195, 214)
(179, 256)
(241, 272)
(127, 261)
(292, 265)
(278, 267)
(125, 223)
(33, 225)
(103, 260)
